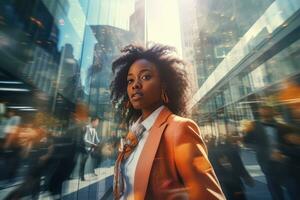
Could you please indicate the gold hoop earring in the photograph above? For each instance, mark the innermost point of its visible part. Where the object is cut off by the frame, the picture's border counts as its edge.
(128, 105)
(164, 97)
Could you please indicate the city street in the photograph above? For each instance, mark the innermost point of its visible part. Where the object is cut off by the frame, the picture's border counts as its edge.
(76, 76)
(94, 187)
(260, 190)
(100, 187)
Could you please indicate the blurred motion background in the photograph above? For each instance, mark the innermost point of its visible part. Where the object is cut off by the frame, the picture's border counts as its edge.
(55, 72)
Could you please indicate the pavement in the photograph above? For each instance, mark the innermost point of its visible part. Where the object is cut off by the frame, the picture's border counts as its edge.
(100, 187)
(260, 190)
(94, 187)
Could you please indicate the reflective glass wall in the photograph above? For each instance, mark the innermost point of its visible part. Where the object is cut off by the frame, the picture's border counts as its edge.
(247, 104)
(55, 74)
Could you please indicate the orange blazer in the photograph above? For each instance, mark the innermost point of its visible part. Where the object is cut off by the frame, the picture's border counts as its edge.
(174, 164)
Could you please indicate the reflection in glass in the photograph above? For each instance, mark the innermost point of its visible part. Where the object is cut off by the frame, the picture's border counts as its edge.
(55, 74)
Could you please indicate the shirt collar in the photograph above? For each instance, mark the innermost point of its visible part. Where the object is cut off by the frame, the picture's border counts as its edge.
(149, 121)
(90, 126)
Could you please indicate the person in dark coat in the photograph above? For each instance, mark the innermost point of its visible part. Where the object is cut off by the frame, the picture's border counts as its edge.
(230, 169)
(267, 139)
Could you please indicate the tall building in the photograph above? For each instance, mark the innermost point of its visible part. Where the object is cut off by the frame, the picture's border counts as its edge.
(244, 60)
(107, 12)
(137, 22)
(220, 26)
(55, 73)
(34, 45)
(106, 32)
(189, 34)
(109, 42)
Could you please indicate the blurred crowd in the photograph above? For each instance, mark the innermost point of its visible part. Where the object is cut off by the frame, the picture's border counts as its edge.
(275, 141)
(36, 159)
(39, 159)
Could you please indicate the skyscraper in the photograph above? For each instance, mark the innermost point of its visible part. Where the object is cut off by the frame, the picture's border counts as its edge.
(137, 22)
(189, 34)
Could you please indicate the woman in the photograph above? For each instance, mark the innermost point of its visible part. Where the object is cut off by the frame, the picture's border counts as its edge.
(166, 158)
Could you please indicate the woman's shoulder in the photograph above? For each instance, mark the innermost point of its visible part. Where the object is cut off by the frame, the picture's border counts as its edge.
(180, 121)
(182, 124)
(181, 129)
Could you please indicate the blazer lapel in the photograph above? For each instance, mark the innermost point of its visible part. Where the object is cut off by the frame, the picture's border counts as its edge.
(145, 161)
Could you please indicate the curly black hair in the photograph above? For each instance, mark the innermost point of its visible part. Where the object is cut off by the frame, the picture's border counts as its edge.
(172, 75)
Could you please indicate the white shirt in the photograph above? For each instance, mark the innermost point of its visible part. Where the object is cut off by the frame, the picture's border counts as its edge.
(130, 164)
(90, 137)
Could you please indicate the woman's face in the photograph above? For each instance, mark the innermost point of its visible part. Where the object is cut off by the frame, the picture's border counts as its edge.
(144, 86)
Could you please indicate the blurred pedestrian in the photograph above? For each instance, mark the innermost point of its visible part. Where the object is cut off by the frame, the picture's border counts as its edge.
(91, 140)
(266, 136)
(230, 169)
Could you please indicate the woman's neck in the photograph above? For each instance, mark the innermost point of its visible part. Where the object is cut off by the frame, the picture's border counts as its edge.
(147, 112)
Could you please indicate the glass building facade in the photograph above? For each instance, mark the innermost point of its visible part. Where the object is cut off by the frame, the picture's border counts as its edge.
(55, 68)
(255, 68)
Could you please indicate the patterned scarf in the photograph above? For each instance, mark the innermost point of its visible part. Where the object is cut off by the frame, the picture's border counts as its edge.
(126, 148)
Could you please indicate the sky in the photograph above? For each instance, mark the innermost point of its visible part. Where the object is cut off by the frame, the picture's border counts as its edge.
(163, 23)
(162, 18)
